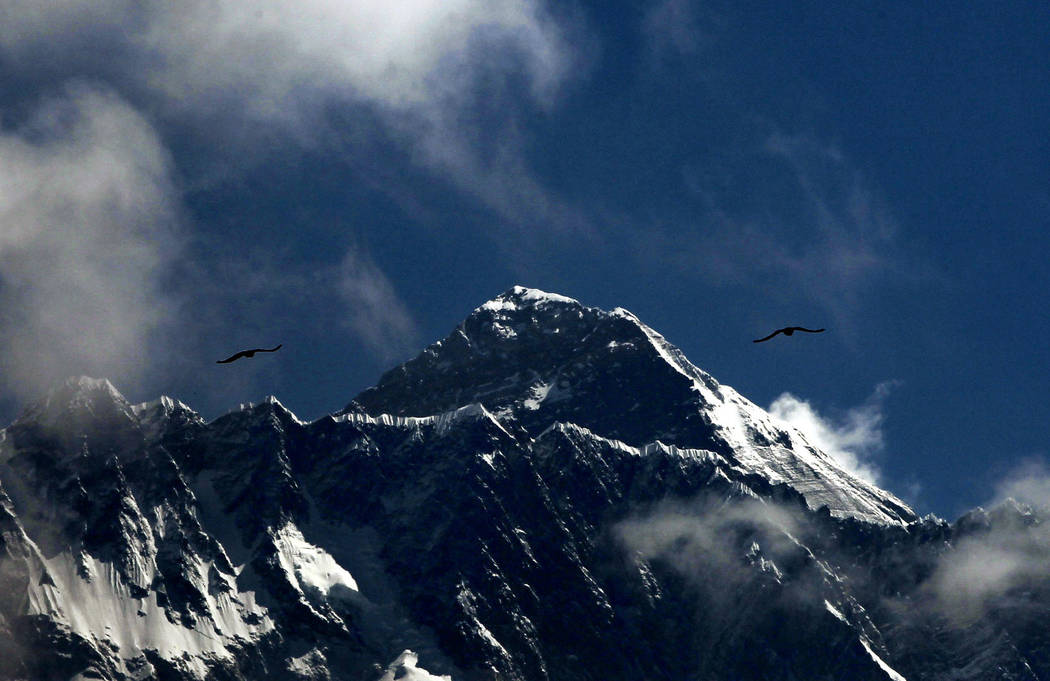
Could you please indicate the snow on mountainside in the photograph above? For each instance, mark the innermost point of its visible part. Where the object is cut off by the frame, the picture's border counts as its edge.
(541, 358)
(551, 492)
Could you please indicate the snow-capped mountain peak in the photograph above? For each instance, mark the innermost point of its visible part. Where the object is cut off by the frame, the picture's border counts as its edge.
(79, 396)
(164, 404)
(540, 358)
(548, 478)
(520, 297)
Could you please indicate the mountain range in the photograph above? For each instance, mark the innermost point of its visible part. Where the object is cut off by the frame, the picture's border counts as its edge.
(551, 492)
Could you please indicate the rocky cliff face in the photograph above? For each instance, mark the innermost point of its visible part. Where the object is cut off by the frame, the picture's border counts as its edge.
(551, 492)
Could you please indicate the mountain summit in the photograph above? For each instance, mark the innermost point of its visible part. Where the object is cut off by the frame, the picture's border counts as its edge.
(542, 358)
(551, 493)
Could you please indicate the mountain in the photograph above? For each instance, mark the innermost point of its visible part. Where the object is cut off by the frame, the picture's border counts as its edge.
(552, 492)
(538, 359)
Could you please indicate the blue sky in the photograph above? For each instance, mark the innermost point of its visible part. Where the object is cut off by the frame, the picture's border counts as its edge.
(178, 181)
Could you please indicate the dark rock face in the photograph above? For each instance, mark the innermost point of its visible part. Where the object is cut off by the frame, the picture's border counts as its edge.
(552, 492)
(548, 359)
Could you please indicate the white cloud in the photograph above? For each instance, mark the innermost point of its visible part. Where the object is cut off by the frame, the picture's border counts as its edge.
(376, 314)
(982, 568)
(241, 76)
(995, 552)
(985, 565)
(1028, 483)
(238, 71)
(401, 54)
(852, 439)
(88, 229)
(269, 53)
(702, 539)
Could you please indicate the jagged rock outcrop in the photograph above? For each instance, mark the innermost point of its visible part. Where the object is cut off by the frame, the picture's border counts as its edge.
(551, 492)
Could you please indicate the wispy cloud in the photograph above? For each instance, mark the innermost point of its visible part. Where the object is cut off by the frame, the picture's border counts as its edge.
(772, 204)
(983, 568)
(90, 230)
(854, 438)
(444, 78)
(375, 313)
(273, 57)
(445, 83)
(851, 227)
(706, 541)
(793, 216)
(1028, 483)
(995, 552)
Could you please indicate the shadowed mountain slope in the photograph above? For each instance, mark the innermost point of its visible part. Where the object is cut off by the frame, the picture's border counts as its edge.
(553, 492)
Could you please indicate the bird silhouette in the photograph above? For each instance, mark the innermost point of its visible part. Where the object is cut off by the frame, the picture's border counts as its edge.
(247, 353)
(787, 331)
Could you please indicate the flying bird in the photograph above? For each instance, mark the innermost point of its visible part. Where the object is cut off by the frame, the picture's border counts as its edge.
(247, 353)
(787, 331)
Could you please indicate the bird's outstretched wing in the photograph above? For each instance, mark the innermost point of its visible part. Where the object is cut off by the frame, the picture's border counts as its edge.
(768, 337)
(248, 353)
(231, 358)
(787, 331)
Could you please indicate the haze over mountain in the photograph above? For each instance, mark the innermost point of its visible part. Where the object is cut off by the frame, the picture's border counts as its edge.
(552, 491)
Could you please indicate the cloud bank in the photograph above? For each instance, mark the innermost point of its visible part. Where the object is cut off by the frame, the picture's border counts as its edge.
(267, 55)
(446, 79)
(90, 229)
(90, 198)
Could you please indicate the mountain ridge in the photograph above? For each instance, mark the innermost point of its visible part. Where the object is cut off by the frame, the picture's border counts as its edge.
(512, 536)
(616, 367)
